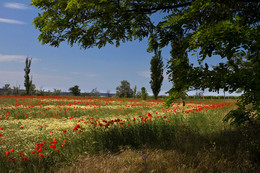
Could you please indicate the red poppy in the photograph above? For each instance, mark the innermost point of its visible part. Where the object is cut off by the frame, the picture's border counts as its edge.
(54, 140)
(21, 127)
(38, 145)
(41, 155)
(7, 153)
(76, 127)
(52, 146)
(12, 150)
(21, 154)
(24, 159)
(39, 150)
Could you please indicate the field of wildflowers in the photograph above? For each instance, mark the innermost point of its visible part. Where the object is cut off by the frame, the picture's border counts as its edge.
(41, 134)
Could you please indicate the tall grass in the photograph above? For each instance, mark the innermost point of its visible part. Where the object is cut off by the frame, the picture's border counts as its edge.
(195, 142)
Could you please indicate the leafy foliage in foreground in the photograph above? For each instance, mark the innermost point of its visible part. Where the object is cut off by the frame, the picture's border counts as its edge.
(229, 29)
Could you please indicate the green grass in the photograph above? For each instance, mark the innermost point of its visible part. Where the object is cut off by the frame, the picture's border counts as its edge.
(194, 142)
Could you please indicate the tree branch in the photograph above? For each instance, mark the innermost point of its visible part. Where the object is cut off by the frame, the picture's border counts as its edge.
(155, 9)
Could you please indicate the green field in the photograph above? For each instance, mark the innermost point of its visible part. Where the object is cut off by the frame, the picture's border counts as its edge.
(80, 134)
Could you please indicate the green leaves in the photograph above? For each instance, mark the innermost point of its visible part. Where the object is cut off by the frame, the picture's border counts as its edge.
(91, 23)
(75, 90)
(156, 73)
(229, 29)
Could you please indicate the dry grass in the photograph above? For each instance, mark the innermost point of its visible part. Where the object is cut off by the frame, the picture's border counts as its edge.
(158, 161)
(128, 161)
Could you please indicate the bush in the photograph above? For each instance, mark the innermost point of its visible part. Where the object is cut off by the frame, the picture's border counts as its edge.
(75, 90)
(124, 90)
(144, 94)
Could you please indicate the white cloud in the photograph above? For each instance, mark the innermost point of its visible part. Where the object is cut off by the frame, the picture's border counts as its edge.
(47, 78)
(84, 74)
(11, 21)
(49, 69)
(18, 6)
(90, 75)
(14, 58)
(76, 73)
(11, 77)
(146, 74)
(40, 80)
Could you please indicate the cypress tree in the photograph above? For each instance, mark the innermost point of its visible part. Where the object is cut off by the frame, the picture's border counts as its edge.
(156, 73)
(27, 80)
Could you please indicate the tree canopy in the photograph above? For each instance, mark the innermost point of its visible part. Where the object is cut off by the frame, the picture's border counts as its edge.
(75, 90)
(229, 29)
(124, 90)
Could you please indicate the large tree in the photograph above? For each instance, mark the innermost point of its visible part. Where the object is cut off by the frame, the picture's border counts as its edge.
(229, 29)
(156, 73)
(124, 90)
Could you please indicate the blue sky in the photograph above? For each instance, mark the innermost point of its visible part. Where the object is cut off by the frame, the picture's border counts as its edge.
(66, 66)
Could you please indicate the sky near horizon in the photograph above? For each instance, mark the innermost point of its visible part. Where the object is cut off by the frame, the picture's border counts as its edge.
(66, 66)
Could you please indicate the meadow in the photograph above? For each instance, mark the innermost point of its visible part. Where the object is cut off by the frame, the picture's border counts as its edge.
(88, 134)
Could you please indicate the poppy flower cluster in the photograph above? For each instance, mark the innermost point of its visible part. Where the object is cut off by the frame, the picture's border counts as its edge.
(97, 113)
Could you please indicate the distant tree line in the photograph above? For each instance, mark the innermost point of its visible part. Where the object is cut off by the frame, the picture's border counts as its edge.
(123, 90)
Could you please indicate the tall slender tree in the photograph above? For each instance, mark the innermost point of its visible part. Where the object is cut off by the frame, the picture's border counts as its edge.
(134, 92)
(144, 93)
(27, 80)
(156, 73)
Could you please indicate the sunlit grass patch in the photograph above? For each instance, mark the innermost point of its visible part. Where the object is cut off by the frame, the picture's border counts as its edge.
(55, 131)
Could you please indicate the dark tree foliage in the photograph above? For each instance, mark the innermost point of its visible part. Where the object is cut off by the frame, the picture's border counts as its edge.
(144, 93)
(178, 68)
(27, 80)
(156, 73)
(75, 90)
(124, 90)
(229, 29)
